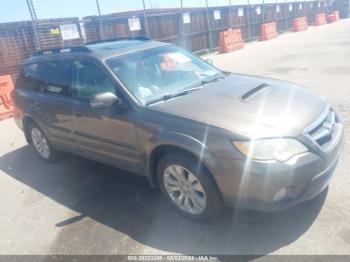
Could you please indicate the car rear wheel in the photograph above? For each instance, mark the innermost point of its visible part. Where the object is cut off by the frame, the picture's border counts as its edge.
(189, 187)
(42, 145)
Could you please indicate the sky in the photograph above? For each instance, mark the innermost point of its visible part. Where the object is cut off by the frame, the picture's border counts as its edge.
(17, 10)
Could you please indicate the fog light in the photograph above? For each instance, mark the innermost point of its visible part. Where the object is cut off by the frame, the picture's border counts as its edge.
(280, 194)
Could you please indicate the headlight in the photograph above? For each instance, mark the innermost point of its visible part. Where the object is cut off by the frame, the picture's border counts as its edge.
(280, 149)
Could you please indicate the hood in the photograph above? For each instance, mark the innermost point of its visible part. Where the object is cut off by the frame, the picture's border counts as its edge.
(250, 106)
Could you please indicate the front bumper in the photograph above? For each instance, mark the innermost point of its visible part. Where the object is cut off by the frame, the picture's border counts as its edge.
(254, 185)
(315, 186)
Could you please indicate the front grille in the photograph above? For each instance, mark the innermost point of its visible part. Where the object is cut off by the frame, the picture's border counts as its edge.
(325, 132)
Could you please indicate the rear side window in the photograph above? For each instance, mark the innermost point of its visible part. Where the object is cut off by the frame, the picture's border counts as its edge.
(32, 77)
(57, 77)
(52, 76)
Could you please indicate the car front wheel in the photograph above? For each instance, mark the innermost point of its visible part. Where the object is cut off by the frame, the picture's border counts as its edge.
(189, 187)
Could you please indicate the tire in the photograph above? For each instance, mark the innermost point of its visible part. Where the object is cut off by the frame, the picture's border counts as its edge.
(197, 197)
(42, 145)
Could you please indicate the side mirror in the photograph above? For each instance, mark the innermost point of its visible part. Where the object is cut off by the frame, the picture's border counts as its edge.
(104, 100)
(209, 61)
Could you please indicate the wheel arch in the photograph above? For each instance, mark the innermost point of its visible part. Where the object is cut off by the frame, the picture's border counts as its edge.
(27, 122)
(177, 143)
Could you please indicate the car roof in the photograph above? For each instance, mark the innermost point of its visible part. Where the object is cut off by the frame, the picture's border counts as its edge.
(100, 50)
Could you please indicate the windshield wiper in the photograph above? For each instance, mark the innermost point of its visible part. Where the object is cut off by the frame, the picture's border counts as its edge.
(210, 80)
(173, 95)
(194, 87)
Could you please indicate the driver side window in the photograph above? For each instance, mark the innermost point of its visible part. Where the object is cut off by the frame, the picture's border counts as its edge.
(89, 80)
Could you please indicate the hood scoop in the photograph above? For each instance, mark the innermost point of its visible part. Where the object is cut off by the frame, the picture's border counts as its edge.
(256, 92)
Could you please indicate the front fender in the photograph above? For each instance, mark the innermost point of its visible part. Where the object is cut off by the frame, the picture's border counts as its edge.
(180, 141)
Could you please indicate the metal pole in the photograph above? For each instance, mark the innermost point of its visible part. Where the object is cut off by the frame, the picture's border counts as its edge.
(304, 11)
(286, 9)
(145, 18)
(230, 24)
(263, 11)
(33, 9)
(182, 29)
(248, 21)
(209, 27)
(102, 35)
(34, 22)
(276, 20)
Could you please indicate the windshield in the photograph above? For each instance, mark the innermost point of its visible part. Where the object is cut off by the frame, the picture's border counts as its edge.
(155, 73)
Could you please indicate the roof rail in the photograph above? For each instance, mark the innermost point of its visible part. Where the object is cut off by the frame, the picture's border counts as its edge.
(82, 49)
(141, 38)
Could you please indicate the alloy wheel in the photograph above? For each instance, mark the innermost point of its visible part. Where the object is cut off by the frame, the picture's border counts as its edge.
(184, 189)
(40, 143)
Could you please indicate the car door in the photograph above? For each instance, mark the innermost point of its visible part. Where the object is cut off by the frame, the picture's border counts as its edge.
(50, 104)
(105, 134)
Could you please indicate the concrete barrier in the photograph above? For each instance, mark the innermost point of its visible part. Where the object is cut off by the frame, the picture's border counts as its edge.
(230, 40)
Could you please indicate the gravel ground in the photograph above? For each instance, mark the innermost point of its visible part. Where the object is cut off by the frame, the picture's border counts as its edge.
(81, 207)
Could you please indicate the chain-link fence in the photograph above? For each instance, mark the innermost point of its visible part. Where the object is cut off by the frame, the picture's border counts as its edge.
(192, 24)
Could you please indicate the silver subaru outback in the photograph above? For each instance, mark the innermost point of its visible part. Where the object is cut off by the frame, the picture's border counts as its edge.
(204, 136)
